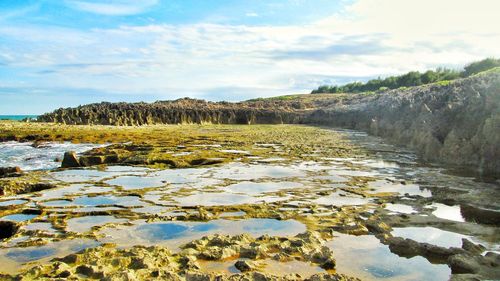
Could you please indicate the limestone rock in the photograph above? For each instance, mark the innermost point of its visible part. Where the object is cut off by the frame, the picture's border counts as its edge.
(70, 160)
(8, 229)
(245, 265)
(10, 171)
(460, 264)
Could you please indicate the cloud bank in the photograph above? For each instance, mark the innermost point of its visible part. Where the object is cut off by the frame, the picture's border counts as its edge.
(235, 62)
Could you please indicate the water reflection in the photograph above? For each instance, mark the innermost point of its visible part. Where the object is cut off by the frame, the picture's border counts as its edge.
(366, 258)
(175, 233)
(18, 217)
(446, 212)
(430, 235)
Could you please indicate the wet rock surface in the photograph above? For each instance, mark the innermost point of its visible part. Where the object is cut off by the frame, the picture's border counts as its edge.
(70, 160)
(276, 207)
(8, 229)
(142, 263)
(10, 172)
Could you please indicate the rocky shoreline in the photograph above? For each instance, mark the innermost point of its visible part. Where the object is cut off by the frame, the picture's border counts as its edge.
(455, 123)
(317, 184)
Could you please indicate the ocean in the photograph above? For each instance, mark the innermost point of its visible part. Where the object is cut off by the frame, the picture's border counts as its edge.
(16, 117)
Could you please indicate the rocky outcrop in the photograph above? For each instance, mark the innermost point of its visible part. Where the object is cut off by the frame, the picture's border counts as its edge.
(158, 263)
(70, 160)
(456, 123)
(8, 229)
(480, 215)
(176, 112)
(10, 172)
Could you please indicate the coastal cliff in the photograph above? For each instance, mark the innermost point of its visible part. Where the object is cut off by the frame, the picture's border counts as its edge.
(456, 123)
(181, 111)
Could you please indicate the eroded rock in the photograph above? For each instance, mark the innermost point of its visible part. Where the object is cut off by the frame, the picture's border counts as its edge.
(70, 160)
(8, 229)
(10, 172)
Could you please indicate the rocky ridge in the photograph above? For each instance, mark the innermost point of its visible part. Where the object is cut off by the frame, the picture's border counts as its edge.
(455, 123)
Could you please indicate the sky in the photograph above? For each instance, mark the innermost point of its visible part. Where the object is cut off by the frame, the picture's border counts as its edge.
(61, 53)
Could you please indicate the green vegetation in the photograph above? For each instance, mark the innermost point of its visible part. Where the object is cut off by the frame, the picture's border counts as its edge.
(480, 66)
(412, 78)
(279, 98)
(163, 142)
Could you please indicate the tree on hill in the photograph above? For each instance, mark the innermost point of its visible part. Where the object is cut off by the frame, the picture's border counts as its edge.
(410, 79)
(480, 66)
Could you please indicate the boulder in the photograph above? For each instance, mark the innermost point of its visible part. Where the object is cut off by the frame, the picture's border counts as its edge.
(410, 248)
(91, 160)
(470, 247)
(8, 229)
(245, 265)
(464, 263)
(70, 160)
(480, 215)
(10, 171)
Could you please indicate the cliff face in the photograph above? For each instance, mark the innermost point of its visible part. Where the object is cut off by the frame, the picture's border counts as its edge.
(456, 123)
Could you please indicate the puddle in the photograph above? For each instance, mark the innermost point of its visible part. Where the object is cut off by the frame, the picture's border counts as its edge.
(366, 258)
(13, 202)
(232, 214)
(378, 164)
(400, 208)
(234, 151)
(276, 268)
(126, 201)
(174, 234)
(85, 175)
(136, 182)
(226, 267)
(254, 188)
(59, 192)
(430, 235)
(152, 209)
(446, 212)
(221, 199)
(12, 260)
(402, 189)
(94, 201)
(18, 217)
(251, 172)
(96, 189)
(304, 269)
(352, 173)
(56, 203)
(81, 175)
(27, 157)
(181, 176)
(128, 169)
(84, 224)
(42, 226)
(12, 242)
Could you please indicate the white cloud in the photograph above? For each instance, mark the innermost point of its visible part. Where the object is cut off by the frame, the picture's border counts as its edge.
(114, 7)
(205, 60)
(19, 12)
(252, 15)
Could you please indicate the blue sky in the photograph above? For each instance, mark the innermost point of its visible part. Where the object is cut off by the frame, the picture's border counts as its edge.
(69, 52)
